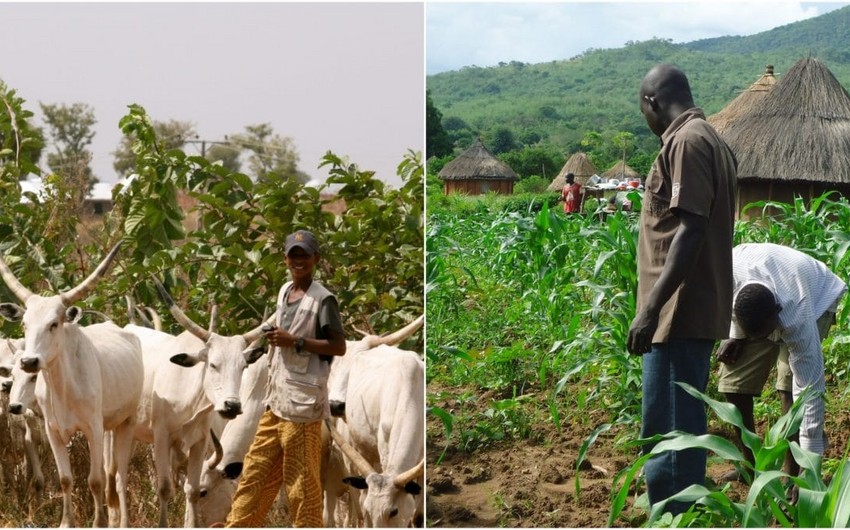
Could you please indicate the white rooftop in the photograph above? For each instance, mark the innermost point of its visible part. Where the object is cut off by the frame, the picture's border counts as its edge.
(101, 191)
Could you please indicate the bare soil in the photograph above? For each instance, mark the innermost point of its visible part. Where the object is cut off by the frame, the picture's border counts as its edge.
(531, 482)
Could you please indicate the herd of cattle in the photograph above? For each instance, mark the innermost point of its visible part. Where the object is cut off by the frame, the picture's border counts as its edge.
(197, 398)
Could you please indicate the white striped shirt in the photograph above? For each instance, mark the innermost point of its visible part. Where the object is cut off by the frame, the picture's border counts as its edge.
(805, 289)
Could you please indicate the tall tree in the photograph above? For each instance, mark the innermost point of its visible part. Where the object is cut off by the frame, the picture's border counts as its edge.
(624, 142)
(437, 140)
(503, 140)
(71, 130)
(269, 152)
(226, 155)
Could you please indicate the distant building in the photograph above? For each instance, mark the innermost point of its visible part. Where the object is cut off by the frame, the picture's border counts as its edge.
(580, 166)
(622, 172)
(476, 171)
(744, 102)
(98, 202)
(795, 140)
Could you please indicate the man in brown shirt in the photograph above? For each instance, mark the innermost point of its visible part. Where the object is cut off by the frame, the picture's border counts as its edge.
(684, 299)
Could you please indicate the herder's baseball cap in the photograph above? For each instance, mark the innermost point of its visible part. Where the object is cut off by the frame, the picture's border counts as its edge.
(304, 239)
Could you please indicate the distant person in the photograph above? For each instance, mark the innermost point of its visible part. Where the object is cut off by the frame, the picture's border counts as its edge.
(785, 302)
(684, 299)
(572, 195)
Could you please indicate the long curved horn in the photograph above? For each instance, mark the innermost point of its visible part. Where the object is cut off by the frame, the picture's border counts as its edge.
(98, 314)
(140, 311)
(179, 315)
(153, 316)
(397, 337)
(131, 317)
(415, 472)
(79, 292)
(213, 318)
(15, 286)
(356, 458)
(219, 452)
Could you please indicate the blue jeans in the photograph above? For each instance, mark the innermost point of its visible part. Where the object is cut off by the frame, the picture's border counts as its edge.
(667, 407)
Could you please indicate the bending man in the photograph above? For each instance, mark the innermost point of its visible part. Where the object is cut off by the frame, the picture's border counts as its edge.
(785, 303)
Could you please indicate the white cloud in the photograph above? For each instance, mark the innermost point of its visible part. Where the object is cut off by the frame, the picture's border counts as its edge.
(485, 34)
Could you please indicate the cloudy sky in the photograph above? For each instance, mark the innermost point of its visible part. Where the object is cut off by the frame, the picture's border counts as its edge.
(345, 77)
(483, 34)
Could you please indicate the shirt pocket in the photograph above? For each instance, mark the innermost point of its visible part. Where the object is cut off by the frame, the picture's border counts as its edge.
(656, 197)
(306, 400)
(296, 362)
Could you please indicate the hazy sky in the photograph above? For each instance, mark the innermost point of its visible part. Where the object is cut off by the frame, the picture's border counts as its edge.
(483, 34)
(345, 77)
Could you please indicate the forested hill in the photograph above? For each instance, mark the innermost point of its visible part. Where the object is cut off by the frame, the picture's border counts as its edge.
(552, 106)
(824, 36)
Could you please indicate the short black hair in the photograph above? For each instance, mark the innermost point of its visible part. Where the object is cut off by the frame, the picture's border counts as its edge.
(668, 83)
(754, 305)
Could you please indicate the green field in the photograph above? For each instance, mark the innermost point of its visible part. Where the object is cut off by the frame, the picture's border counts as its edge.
(530, 310)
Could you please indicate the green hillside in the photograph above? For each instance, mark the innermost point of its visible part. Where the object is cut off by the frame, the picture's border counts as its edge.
(531, 115)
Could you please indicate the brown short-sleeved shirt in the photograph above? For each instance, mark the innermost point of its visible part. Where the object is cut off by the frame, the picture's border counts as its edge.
(696, 172)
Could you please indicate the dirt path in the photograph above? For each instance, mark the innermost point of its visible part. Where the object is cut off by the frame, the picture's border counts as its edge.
(532, 483)
(524, 484)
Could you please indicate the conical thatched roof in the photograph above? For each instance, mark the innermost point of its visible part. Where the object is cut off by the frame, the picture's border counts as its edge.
(477, 163)
(744, 102)
(799, 131)
(621, 171)
(580, 166)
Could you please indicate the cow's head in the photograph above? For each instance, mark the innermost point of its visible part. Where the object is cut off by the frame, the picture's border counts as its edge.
(217, 487)
(225, 357)
(388, 499)
(7, 357)
(44, 317)
(22, 394)
(6, 377)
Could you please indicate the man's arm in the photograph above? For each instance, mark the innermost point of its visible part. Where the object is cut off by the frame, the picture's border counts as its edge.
(333, 345)
(681, 257)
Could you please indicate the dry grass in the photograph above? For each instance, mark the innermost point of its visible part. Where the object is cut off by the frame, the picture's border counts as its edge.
(20, 506)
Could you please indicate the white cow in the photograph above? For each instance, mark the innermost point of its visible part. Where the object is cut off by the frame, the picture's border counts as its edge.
(383, 434)
(90, 380)
(22, 405)
(224, 467)
(221, 470)
(189, 377)
(8, 347)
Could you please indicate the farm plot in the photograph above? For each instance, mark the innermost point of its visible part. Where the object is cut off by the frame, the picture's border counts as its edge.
(533, 404)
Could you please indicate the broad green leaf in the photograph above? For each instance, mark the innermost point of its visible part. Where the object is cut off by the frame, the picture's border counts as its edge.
(716, 444)
(585, 446)
(751, 517)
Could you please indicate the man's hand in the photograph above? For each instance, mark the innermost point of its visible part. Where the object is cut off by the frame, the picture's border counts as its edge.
(641, 332)
(730, 350)
(279, 337)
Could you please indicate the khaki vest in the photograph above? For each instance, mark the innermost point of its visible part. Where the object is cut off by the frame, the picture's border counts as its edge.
(298, 382)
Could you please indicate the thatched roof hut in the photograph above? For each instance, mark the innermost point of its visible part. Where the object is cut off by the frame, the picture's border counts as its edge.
(621, 171)
(580, 166)
(477, 171)
(796, 140)
(744, 102)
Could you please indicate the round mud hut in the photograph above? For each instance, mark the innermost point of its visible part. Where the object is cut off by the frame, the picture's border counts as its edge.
(794, 141)
(622, 172)
(476, 171)
(744, 102)
(580, 166)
